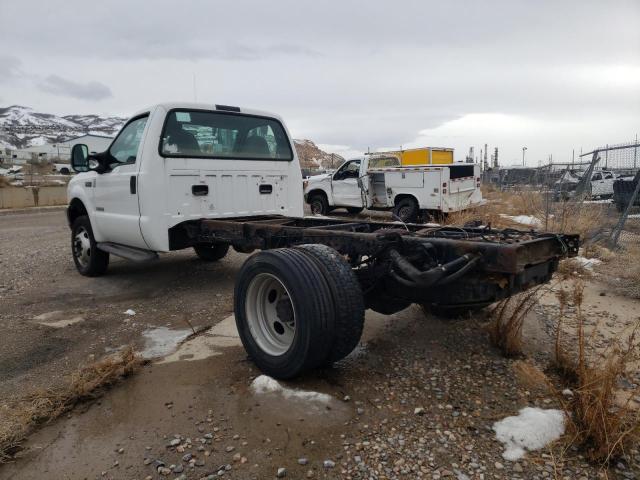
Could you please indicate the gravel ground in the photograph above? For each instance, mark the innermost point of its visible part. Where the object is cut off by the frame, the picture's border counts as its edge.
(38, 283)
(417, 399)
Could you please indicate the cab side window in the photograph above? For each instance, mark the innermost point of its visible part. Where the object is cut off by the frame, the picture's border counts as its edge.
(348, 170)
(125, 147)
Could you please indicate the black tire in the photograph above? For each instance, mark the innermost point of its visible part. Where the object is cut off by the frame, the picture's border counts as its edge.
(354, 210)
(406, 210)
(318, 204)
(347, 299)
(213, 252)
(89, 260)
(312, 306)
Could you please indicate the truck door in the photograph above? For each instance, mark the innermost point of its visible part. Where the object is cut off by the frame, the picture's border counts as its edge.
(344, 185)
(117, 214)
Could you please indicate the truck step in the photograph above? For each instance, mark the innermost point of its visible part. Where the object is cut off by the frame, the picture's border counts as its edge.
(130, 253)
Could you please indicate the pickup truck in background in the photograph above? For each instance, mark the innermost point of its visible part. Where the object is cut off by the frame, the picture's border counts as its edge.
(381, 182)
(211, 177)
(600, 186)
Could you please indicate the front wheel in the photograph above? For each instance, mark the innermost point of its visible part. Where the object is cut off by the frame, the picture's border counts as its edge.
(319, 205)
(90, 261)
(211, 253)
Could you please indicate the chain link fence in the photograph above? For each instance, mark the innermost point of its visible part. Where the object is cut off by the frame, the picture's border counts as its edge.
(601, 189)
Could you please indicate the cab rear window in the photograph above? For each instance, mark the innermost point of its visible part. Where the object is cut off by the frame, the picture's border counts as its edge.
(208, 134)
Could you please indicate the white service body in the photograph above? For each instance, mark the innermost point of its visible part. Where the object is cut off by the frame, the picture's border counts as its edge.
(435, 188)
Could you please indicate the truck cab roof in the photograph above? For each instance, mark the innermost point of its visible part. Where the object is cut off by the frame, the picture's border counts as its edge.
(207, 106)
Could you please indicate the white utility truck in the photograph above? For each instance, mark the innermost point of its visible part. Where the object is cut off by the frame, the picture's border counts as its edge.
(380, 182)
(600, 186)
(207, 177)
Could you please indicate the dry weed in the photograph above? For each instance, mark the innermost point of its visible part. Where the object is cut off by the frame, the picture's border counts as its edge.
(587, 220)
(570, 268)
(530, 375)
(593, 250)
(505, 327)
(622, 271)
(603, 424)
(46, 405)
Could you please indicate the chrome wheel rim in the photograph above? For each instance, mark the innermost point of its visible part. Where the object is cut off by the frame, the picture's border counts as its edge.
(270, 314)
(316, 208)
(82, 247)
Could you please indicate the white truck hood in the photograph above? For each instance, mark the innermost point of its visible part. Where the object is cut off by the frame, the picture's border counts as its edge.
(316, 180)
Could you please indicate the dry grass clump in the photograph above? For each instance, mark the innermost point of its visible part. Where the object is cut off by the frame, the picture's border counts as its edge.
(571, 267)
(531, 376)
(593, 250)
(623, 271)
(4, 182)
(603, 419)
(505, 327)
(42, 406)
(587, 220)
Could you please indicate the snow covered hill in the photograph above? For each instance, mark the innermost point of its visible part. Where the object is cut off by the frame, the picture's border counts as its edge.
(22, 127)
(311, 157)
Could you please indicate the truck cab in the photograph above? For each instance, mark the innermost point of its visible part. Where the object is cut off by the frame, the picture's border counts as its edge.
(176, 163)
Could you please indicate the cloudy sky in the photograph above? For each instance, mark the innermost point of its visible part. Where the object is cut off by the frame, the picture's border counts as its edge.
(351, 75)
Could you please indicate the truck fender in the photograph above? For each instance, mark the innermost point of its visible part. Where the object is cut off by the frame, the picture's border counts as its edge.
(396, 197)
(320, 191)
(80, 204)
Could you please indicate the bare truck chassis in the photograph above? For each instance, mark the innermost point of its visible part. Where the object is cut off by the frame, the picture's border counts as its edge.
(299, 304)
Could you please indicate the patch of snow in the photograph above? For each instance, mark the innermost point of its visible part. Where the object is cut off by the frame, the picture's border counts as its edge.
(531, 429)
(207, 344)
(524, 219)
(587, 263)
(57, 319)
(265, 384)
(130, 312)
(635, 215)
(162, 341)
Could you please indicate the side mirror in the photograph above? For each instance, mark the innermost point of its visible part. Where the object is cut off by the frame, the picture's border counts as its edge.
(80, 158)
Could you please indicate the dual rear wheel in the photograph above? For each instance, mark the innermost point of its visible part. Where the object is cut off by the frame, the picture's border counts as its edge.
(298, 309)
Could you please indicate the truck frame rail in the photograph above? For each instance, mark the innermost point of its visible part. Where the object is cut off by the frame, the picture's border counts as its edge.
(438, 266)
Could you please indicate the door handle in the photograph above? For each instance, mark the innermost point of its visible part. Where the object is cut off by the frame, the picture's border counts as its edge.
(265, 188)
(200, 190)
(132, 185)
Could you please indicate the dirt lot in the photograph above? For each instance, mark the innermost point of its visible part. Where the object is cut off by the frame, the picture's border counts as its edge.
(417, 399)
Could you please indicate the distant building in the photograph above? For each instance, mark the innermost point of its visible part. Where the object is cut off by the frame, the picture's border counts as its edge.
(60, 150)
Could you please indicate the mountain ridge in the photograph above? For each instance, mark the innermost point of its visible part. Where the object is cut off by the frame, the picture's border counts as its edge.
(22, 127)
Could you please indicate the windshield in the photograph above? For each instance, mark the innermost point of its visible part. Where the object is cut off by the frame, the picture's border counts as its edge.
(203, 134)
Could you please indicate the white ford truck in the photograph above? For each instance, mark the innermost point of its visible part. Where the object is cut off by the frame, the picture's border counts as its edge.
(409, 191)
(208, 177)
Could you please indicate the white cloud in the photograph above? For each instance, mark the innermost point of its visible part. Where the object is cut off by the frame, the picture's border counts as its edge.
(68, 88)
